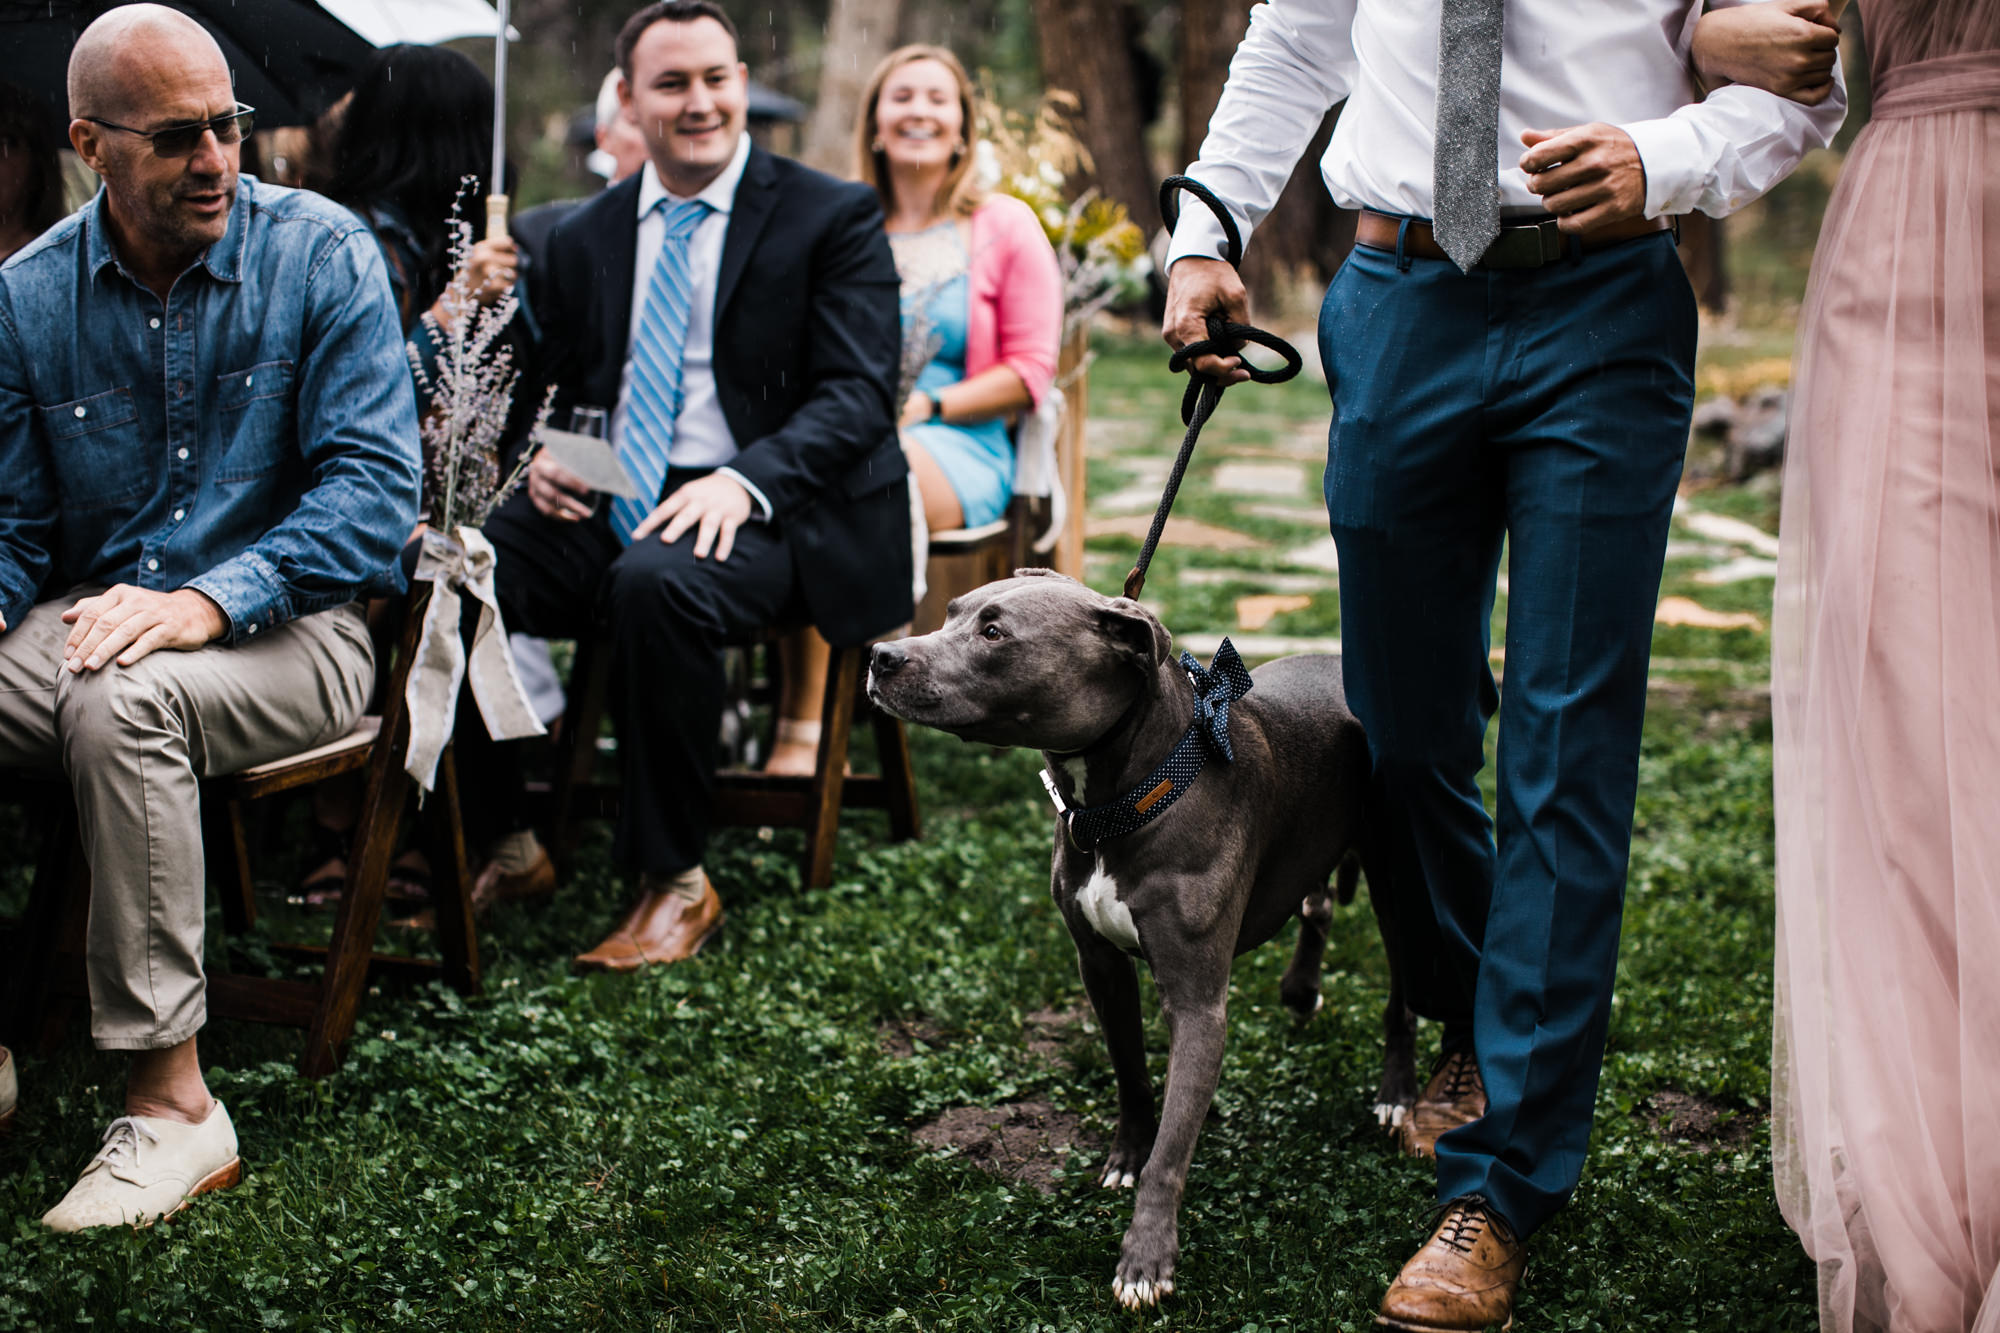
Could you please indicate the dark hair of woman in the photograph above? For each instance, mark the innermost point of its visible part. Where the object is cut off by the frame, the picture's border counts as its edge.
(31, 180)
(420, 120)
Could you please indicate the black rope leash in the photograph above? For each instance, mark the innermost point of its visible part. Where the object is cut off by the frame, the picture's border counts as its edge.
(1224, 339)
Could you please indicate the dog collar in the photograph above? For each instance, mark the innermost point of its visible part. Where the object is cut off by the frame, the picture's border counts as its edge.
(1223, 681)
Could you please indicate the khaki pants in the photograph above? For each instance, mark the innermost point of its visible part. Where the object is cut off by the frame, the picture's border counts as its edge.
(134, 742)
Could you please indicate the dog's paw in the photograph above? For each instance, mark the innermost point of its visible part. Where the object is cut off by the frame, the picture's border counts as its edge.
(1146, 1266)
(1127, 1160)
(1390, 1115)
(1142, 1293)
(1302, 1012)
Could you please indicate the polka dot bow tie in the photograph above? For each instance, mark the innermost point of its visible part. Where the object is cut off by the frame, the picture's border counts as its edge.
(1221, 683)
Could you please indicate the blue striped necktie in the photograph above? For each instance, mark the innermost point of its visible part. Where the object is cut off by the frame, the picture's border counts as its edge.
(655, 400)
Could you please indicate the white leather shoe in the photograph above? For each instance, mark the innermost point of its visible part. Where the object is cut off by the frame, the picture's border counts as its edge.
(148, 1170)
(10, 1090)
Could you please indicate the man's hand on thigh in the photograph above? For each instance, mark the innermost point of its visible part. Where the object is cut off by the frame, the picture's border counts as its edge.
(131, 622)
(715, 505)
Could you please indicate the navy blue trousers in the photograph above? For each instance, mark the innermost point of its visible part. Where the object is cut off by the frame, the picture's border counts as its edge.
(1549, 408)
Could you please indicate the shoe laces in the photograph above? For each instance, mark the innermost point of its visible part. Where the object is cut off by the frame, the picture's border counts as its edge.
(1461, 1075)
(122, 1140)
(1465, 1220)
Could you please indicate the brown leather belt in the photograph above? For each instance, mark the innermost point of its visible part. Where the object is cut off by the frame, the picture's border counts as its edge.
(1521, 243)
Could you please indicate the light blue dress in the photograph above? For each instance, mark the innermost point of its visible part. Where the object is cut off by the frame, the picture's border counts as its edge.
(977, 458)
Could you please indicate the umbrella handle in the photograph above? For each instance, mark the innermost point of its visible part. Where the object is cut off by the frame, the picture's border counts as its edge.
(496, 216)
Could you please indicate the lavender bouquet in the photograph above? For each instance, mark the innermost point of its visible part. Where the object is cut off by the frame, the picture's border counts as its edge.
(470, 388)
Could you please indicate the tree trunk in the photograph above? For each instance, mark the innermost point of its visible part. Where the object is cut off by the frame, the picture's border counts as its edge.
(858, 34)
(1704, 256)
(1306, 236)
(1088, 51)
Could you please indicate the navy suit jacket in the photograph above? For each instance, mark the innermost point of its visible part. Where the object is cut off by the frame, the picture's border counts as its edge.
(808, 342)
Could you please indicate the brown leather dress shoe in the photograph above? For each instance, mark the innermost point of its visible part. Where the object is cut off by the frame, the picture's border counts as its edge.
(1463, 1279)
(660, 928)
(1455, 1096)
(495, 886)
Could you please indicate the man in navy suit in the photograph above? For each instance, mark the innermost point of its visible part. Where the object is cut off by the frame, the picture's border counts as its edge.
(737, 315)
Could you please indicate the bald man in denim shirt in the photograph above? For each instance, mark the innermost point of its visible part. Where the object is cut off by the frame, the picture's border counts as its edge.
(209, 445)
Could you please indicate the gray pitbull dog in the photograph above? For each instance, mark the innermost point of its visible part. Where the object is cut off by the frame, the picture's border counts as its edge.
(1039, 661)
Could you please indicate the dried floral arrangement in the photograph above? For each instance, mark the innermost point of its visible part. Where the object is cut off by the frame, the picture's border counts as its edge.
(1102, 251)
(470, 389)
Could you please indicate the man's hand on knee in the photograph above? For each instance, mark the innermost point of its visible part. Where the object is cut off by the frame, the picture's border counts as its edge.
(1587, 175)
(1196, 289)
(131, 622)
(715, 506)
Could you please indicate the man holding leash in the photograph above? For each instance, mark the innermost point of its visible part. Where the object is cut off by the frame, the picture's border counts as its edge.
(1510, 351)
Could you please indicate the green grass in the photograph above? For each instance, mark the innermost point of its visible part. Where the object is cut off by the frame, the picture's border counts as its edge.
(728, 1144)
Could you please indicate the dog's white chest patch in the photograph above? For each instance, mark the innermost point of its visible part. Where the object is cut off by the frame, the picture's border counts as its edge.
(1098, 901)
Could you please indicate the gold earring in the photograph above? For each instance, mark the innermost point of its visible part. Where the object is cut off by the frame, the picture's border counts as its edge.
(877, 146)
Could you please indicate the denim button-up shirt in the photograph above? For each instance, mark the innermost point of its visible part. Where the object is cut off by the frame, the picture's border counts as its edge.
(254, 437)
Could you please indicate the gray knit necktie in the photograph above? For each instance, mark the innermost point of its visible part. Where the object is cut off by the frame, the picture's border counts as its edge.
(1465, 182)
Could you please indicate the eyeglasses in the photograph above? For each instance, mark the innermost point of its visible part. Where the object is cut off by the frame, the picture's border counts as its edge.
(180, 140)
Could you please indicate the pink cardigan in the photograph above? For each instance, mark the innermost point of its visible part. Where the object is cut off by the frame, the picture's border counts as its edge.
(1014, 303)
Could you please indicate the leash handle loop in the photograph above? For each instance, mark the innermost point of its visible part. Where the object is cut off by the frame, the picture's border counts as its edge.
(1225, 338)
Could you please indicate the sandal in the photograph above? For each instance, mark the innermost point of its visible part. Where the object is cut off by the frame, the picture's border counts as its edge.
(330, 847)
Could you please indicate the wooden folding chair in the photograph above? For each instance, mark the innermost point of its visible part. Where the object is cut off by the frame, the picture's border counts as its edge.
(51, 932)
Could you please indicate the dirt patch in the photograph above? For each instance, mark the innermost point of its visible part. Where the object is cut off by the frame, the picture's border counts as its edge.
(900, 1037)
(1701, 1123)
(1023, 1141)
(1046, 1032)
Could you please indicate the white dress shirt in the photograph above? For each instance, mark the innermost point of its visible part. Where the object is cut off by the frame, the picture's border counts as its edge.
(701, 433)
(1625, 62)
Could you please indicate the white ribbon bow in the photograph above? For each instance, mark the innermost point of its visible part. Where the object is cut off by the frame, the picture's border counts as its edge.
(464, 565)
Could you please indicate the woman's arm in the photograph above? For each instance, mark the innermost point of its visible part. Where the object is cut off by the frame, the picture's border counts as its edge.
(996, 391)
(1786, 47)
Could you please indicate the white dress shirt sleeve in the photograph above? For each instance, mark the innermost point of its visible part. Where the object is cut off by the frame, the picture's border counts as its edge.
(1296, 61)
(763, 514)
(1718, 154)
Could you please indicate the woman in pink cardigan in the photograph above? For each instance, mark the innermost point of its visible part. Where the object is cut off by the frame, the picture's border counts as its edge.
(979, 272)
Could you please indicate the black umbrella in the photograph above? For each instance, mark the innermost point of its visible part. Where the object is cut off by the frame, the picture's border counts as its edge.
(290, 58)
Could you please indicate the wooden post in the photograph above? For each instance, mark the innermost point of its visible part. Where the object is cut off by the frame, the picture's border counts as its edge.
(1070, 462)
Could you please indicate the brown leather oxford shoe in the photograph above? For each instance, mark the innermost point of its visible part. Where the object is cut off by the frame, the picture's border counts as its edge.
(495, 886)
(1463, 1279)
(1455, 1096)
(661, 928)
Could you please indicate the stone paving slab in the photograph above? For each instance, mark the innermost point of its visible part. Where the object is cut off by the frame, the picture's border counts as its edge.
(1179, 532)
(1740, 570)
(1313, 517)
(1260, 479)
(1211, 578)
(1319, 555)
(1721, 528)
(1258, 647)
(1255, 612)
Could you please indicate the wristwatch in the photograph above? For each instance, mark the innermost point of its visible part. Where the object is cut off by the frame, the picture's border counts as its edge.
(937, 407)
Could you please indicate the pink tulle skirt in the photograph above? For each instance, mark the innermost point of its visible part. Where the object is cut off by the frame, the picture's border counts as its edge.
(1886, 706)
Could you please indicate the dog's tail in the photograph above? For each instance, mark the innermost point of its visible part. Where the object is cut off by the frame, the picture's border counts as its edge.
(1347, 878)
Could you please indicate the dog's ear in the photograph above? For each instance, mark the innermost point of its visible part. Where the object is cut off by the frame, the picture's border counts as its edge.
(1134, 633)
(1040, 573)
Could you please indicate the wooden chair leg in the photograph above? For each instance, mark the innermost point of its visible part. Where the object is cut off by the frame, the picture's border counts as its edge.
(590, 679)
(226, 848)
(892, 746)
(843, 680)
(353, 941)
(59, 879)
(451, 880)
